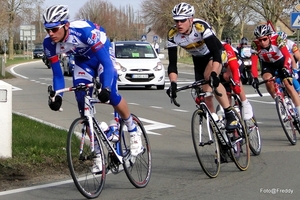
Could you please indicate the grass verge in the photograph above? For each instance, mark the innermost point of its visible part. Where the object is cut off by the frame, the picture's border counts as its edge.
(37, 149)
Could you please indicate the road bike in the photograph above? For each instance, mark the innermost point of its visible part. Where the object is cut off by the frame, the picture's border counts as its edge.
(251, 125)
(287, 113)
(212, 142)
(86, 131)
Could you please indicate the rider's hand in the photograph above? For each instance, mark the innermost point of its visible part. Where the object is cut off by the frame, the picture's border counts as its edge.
(171, 92)
(236, 88)
(255, 83)
(286, 73)
(214, 79)
(104, 95)
(56, 104)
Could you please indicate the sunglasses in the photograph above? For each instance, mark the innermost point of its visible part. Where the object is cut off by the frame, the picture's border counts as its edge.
(55, 29)
(181, 20)
(263, 39)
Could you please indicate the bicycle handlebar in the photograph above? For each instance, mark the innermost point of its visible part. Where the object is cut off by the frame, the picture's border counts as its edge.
(196, 84)
(262, 82)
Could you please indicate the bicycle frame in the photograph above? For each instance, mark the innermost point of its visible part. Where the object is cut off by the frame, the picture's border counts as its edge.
(89, 113)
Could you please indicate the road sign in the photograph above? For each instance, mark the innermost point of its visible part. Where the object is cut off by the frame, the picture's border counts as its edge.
(144, 37)
(295, 20)
(155, 38)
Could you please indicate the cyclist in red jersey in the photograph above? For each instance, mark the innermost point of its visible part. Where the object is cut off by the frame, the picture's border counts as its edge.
(273, 55)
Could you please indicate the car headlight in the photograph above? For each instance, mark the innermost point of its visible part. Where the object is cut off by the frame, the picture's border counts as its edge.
(119, 67)
(158, 67)
(247, 62)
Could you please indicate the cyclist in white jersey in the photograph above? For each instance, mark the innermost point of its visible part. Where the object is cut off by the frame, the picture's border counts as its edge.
(197, 37)
(93, 58)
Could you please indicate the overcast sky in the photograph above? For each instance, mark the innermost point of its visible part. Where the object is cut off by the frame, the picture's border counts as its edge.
(75, 5)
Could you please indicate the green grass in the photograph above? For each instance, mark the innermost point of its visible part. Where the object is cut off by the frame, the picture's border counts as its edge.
(36, 147)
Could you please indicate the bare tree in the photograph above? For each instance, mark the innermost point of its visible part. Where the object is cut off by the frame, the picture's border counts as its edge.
(271, 10)
(15, 9)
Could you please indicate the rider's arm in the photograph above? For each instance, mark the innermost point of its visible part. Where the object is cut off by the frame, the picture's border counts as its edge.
(254, 60)
(287, 57)
(100, 48)
(50, 52)
(254, 68)
(215, 47)
(233, 63)
(172, 68)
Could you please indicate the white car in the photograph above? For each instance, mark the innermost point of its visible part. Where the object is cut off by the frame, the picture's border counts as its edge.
(138, 64)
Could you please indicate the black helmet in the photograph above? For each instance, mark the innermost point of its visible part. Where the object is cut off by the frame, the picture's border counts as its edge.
(228, 40)
(244, 41)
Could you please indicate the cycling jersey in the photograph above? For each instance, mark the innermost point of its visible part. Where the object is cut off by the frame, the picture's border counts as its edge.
(292, 46)
(276, 52)
(232, 61)
(92, 54)
(201, 42)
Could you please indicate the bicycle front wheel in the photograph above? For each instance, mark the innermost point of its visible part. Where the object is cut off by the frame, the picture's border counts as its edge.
(138, 168)
(80, 164)
(205, 144)
(240, 151)
(253, 135)
(286, 121)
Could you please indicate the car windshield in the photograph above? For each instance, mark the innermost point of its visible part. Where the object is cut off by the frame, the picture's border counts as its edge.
(38, 50)
(134, 51)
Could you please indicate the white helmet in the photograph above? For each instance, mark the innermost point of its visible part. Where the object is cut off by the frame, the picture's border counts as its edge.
(183, 11)
(56, 15)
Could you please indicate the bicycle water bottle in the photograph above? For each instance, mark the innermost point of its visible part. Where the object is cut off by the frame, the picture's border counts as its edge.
(104, 126)
(113, 132)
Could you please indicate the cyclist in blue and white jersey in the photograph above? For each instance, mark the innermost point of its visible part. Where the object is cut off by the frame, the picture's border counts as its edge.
(93, 58)
(197, 37)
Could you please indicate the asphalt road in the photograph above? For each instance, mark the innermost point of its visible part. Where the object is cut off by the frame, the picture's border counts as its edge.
(274, 174)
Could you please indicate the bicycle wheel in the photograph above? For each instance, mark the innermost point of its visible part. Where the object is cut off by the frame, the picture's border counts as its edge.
(239, 151)
(138, 169)
(253, 135)
(90, 185)
(205, 144)
(286, 121)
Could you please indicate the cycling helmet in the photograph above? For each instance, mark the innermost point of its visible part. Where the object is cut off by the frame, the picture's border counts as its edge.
(56, 15)
(183, 11)
(244, 41)
(228, 40)
(283, 35)
(262, 30)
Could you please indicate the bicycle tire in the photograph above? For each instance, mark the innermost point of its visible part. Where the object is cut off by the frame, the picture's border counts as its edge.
(88, 184)
(253, 135)
(207, 150)
(138, 171)
(286, 121)
(240, 150)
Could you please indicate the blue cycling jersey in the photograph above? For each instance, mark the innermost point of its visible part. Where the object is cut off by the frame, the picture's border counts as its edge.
(85, 40)
(93, 57)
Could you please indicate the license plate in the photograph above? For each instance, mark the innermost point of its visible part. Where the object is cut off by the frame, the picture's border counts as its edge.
(140, 76)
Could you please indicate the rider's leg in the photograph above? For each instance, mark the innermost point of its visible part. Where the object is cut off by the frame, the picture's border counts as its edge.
(269, 85)
(292, 92)
(231, 121)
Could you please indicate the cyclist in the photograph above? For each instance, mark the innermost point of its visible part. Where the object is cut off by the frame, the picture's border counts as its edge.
(231, 62)
(197, 37)
(273, 55)
(295, 56)
(93, 57)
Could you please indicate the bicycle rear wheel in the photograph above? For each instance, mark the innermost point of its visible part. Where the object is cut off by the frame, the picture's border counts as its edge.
(138, 169)
(240, 151)
(205, 144)
(286, 121)
(90, 185)
(253, 135)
